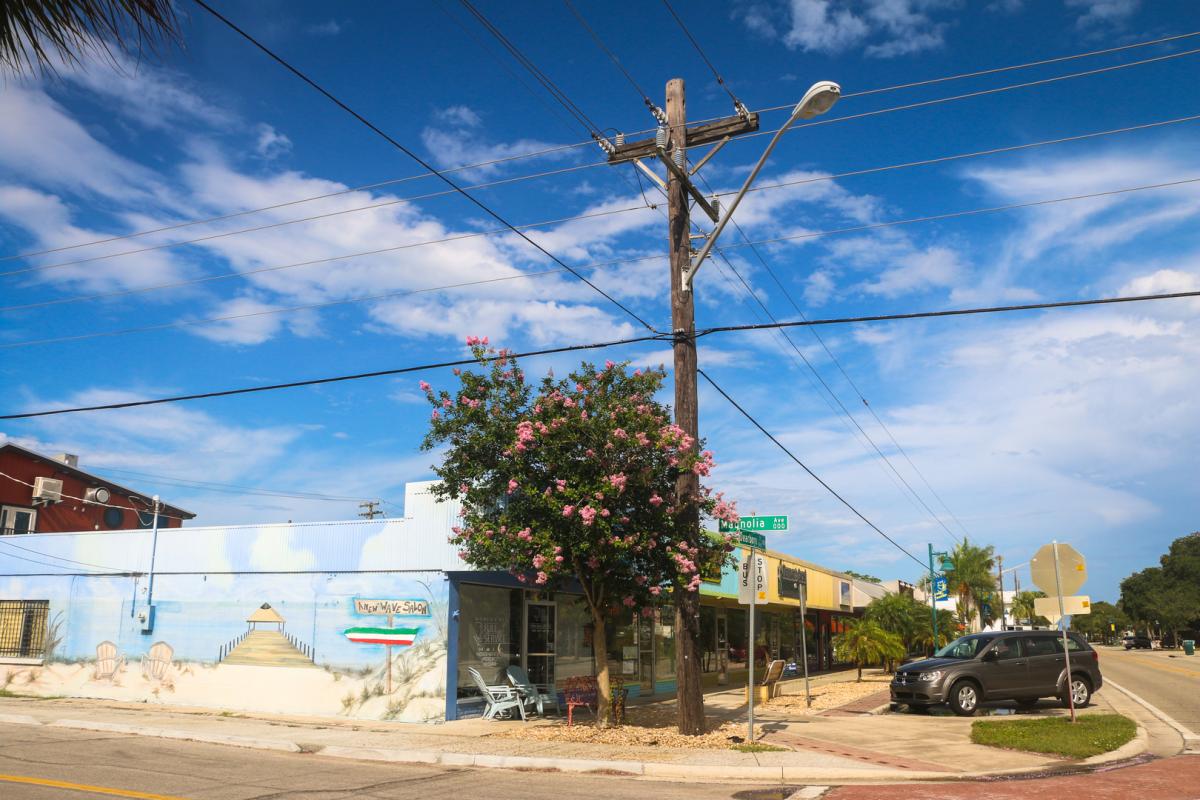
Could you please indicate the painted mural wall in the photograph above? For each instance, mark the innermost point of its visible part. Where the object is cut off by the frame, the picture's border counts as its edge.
(324, 619)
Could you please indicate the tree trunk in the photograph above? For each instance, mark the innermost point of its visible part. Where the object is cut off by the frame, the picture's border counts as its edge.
(690, 703)
(860, 672)
(600, 654)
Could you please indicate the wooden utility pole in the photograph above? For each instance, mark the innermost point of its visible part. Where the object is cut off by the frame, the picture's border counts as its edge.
(690, 700)
(680, 191)
(1000, 580)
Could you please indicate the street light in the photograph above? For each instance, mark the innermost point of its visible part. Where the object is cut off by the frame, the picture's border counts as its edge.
(819, 98)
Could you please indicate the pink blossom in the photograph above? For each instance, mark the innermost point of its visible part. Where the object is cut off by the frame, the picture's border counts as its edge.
(538, 560)
(579, 387)
(593, 562)
(647, 612)
(521, 578)
(462, 488)
(424, 386)
(618, 481)
(457, 531)
(561, 484)
(558, 559)
(604, 512)
(609, 365)
(590, 453)
(656, 590)
(640, 580)
(525, 535)
(568, 510)
(620, 433)
(512, 485)
(457, 371)
(446, 403)
(587, 514)
(655, 500)
(628, 601)
(435, 414)
(462, 554)
(542, 578)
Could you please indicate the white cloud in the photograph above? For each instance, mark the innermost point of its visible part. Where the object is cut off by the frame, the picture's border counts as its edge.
(917, 271)
(1100, 13)
(329, 27)
(457, 137)
(887, 28)
(271, 143)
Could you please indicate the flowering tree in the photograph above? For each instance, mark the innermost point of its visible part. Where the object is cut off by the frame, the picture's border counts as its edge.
(574, 481)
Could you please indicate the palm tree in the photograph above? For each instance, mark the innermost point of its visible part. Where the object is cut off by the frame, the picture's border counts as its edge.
(972, 577)
(40, 34)
(923, 636)
(899, 614)
(1023, 608)
(864, 642)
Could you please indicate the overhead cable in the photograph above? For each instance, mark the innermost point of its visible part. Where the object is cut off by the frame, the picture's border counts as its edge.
(602, 345)
(552, 150)
(412, 155)
(805, 467)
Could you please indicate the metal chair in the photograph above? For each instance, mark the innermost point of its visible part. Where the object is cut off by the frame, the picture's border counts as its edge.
(537, 694)
(500, 699)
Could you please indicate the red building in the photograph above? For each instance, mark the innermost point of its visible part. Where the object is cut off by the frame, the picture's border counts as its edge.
(44, 494)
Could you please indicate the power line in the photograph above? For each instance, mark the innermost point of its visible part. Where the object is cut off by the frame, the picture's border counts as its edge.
(558, 149)
(425, 165)
(654, 109)
(131, 497)
(793, 237)
(171, 480)
(804, 466)
(613, 343)
(766, 187)
(737, 104)
(6, 541)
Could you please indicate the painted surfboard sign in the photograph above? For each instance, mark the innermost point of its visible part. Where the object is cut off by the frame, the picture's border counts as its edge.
(394, 636)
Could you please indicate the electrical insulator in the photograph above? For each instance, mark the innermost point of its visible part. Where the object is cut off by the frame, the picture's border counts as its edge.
(620, 139)
(680, 157)
(716, 206)
(660, 137)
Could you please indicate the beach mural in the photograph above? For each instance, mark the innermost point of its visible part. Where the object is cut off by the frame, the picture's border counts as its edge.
(339, 619)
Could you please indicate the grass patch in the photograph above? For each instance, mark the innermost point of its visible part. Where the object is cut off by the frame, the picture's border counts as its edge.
(1091, 735)
(758, 747)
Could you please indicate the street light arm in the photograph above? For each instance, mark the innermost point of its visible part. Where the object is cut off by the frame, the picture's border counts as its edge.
(712, 237)
(817, 100)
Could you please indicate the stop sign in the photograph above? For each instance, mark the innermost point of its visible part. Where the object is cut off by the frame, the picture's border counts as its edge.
(1072, 569)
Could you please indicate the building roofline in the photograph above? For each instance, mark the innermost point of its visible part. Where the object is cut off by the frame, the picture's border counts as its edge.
(90, 477)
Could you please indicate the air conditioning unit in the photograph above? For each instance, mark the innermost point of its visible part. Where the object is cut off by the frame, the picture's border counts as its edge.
(47, 490)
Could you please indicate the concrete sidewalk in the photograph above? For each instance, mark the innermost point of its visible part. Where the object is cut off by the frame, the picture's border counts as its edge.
(887, 748)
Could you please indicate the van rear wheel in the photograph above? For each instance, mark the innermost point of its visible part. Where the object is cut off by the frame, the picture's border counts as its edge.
(1081, 692)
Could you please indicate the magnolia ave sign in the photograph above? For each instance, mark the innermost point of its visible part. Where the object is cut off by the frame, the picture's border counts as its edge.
(776, 523)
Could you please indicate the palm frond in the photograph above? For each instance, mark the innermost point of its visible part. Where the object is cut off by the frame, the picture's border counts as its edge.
(38, 35)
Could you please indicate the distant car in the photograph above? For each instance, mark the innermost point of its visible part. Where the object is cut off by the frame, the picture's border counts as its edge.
(1008, 665)
(1137, 642)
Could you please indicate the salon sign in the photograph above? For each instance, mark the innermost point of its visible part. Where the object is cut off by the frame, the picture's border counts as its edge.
(391, 608)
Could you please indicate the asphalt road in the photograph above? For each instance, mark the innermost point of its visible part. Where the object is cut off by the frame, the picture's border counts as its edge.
(1171, 684)
(49, 764)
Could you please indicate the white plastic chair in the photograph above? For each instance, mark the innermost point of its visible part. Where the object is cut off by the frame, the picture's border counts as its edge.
(536, 693)
(500, 699)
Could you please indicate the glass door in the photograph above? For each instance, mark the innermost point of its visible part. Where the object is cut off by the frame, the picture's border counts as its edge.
(722, 645)
(540, 622)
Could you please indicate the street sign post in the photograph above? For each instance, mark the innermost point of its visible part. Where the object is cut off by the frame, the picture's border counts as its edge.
(775, 523)
(752, 591)
(1058, 570)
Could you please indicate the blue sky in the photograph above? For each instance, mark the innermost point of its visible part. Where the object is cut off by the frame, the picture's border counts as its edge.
(1070, 424)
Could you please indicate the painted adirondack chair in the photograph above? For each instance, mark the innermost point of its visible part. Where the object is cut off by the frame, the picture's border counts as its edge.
(156, 663)
(536, 694)
(108, 661)
(500, 699)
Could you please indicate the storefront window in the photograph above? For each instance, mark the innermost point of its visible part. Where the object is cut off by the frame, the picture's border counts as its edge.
(708, 640)
(574, 639)
(623, 646)
(738, 631)
(664, 645)
(489, 634)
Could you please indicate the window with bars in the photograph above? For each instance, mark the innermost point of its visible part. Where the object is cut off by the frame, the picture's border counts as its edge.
(23, 628)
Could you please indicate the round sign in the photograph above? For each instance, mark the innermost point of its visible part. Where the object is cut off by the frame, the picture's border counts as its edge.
(1072, 570)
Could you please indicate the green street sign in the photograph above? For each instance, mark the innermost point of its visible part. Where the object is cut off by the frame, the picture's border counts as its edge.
(756, 540)
(778, 523)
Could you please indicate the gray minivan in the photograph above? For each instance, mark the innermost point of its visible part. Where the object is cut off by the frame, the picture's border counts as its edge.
(1003, 665)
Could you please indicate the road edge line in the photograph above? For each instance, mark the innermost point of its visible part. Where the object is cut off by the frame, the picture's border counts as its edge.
(1187, 734)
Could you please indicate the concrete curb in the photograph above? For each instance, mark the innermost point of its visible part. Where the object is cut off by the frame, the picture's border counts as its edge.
(1190, 739)
(163, 733)
(19, 719)
(1139, 744)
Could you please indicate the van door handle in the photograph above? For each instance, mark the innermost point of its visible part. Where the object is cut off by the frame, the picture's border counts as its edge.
(1020, 662)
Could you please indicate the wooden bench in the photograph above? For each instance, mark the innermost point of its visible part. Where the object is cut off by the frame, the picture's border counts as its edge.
(768, 687)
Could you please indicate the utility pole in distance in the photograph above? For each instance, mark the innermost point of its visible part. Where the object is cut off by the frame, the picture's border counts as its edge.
(370, 509)
(672, 152)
